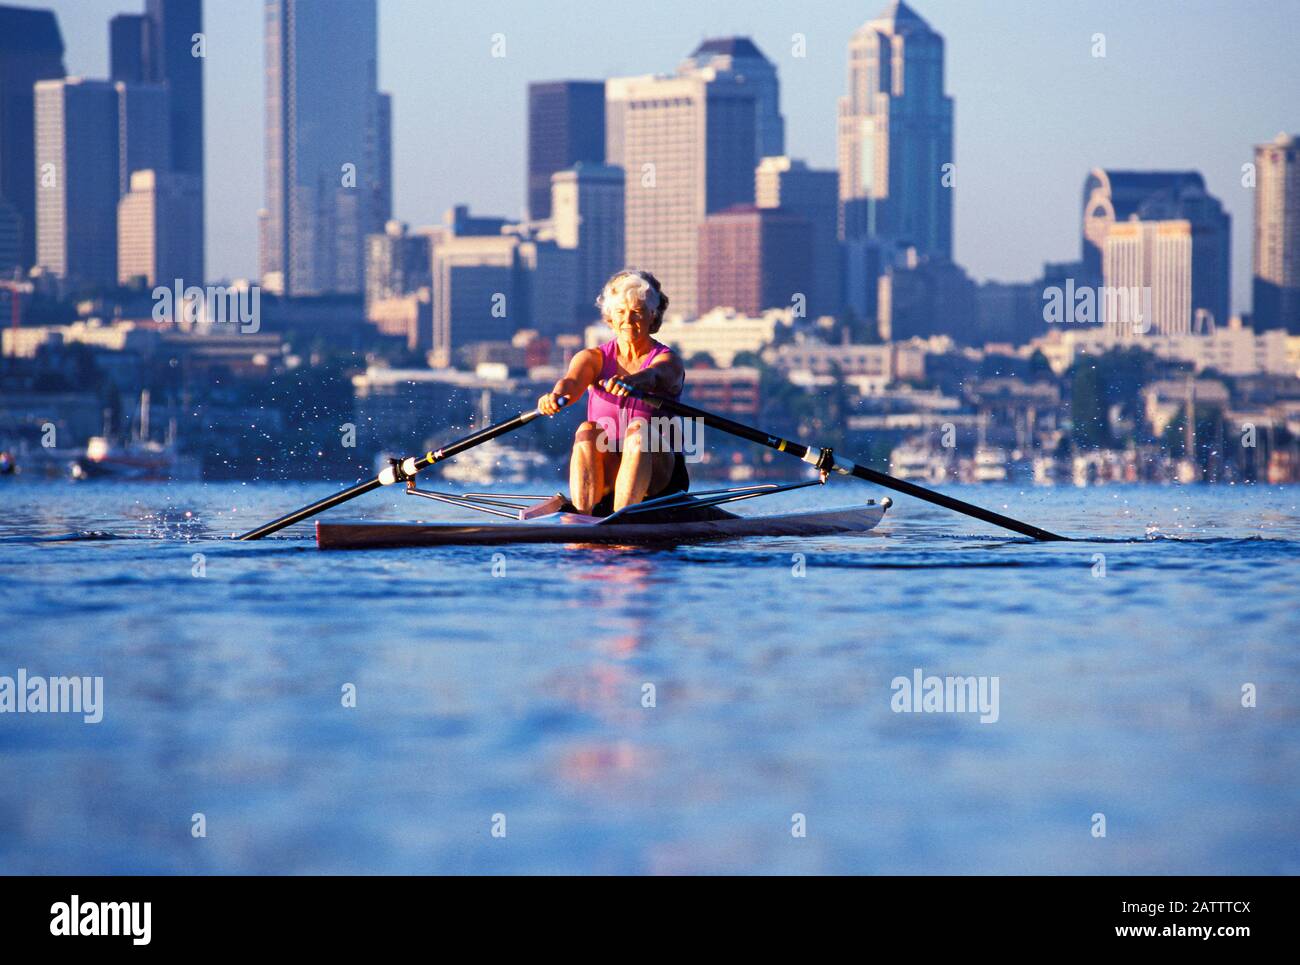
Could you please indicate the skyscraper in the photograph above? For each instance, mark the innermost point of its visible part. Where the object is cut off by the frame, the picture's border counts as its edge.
(782, 182)
(566, 124)
(1111, 196)
(687, 147)
(548, 283)
(895, 135)
(476, 293)
(77, 125)
(383, 152)
(1149, 256)
(31, 49)
(587, 211)
(397, 262)
(144, 133)
(156, 221)
(1190, 248)
(740, 57)
(172, 60)
(130, 46)
(754, 258)
(10, 236)
(1276, 289)
(322, 144)
(920, 296)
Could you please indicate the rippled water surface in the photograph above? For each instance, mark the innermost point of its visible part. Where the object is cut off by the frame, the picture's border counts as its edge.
(517, 699)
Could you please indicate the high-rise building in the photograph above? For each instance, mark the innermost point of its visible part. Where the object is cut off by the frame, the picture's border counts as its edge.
(686, 145)
(566, 125)
(548, 281)
(383, 159)
(31, 49)
(740, 56)
(130, 46)
(1111, 196)
(782, 182)
(476, 293)
(77, 140)
(461, 223)
(862, 262)
(397, 262)
(175, 27)
(322, 145)
(11, 237)
(1154, 256)
(895, 135)
(409, 316)
(156, 223)
(754, 258)
(587, 212)
(922, 296)
(144, 132)
(1183, 258)
(1276, 287)
(1009, 312)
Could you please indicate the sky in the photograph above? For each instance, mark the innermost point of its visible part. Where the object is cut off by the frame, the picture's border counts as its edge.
(1184, 84)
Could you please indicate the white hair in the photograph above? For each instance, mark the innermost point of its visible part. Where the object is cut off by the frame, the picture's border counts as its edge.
(633, 286)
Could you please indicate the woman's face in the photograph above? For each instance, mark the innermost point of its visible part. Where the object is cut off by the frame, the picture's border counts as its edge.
(629, 320)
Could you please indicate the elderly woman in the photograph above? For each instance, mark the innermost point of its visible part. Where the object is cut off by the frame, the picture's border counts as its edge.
(623, 453)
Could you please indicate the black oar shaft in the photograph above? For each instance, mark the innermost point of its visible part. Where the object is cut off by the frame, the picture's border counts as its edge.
(308, 511)
(801, 451)
(957, 505)
(408, 467)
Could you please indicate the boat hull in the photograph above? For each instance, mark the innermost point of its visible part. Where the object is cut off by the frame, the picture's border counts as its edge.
(574, 528)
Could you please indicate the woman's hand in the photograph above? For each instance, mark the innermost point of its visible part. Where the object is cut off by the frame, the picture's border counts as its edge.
(551, 403)
(620, 385)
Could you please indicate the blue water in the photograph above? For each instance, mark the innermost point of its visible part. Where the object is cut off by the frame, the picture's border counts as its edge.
(521, 694)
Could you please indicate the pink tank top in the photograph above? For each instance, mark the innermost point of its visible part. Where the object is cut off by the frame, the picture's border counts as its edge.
(614, 413)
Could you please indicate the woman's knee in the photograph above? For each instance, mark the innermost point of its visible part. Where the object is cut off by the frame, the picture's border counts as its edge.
(588, 433)
(638, 438)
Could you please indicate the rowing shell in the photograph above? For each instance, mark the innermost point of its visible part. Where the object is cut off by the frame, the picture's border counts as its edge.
(672, 526)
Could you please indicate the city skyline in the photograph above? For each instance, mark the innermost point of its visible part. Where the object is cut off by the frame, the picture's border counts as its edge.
(1019, 167)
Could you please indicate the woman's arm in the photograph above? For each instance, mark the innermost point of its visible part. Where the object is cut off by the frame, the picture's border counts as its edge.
(584, 368)
(664, 376)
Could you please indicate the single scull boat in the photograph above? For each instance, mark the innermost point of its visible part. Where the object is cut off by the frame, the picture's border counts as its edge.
(677, 518)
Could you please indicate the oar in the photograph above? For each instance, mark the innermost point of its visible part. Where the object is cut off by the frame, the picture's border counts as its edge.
(824, 459)
(399, 472)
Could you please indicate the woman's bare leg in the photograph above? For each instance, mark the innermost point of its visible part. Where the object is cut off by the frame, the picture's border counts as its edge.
(643, 466)
(586, 468)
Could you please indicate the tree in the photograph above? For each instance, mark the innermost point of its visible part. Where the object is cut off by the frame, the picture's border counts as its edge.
(1088, 406)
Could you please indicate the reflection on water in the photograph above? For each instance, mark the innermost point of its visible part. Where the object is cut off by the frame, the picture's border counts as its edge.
(662, 711)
